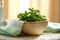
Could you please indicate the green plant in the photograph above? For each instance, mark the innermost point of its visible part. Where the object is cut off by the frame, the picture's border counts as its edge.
(32, 15)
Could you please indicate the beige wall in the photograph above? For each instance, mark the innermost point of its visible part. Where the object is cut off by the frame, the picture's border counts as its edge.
(54, 11)
(44, 7)
(10, 8)
(6, 9)
(13, 9)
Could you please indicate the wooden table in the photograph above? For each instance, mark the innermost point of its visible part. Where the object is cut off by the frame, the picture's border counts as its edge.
(46, 35)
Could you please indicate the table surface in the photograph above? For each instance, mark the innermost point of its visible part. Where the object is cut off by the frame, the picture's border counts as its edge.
(43, 36)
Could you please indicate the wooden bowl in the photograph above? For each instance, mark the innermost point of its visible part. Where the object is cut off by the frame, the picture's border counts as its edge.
(34, 28)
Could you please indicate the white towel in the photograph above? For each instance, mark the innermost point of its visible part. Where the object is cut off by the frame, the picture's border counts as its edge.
(11, 27)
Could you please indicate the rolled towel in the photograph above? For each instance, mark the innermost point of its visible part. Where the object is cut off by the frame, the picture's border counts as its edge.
(11, 27)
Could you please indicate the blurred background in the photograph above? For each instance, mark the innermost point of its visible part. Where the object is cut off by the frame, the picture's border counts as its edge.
(49, 8)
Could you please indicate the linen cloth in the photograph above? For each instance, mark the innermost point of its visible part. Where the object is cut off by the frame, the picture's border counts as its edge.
(53, 27)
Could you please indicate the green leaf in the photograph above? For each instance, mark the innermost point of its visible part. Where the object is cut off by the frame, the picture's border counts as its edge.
(32, 15)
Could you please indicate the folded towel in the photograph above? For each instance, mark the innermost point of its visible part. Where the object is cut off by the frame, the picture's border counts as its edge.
(12, 27)
(53, 27)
